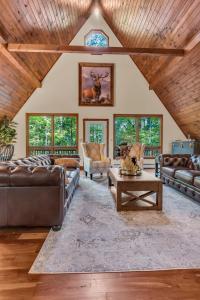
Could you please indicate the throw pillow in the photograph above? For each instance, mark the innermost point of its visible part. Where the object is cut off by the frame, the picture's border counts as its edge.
(67, 163)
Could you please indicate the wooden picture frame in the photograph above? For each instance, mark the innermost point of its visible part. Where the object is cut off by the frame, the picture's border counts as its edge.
(96, 82)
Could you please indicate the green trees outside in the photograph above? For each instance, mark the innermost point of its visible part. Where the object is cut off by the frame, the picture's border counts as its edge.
(146, 130)
(125, 130)
(65, 131)
(42, 133)
(61, 131)
(96, 133)
(149, 131)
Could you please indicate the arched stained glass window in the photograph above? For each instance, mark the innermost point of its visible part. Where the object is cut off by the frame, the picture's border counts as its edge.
(96, 38)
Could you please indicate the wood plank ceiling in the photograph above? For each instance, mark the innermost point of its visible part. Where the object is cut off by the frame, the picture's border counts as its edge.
(164, 23)
(34, 21)
(136, 23)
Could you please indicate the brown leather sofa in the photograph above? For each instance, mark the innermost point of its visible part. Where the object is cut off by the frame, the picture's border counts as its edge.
(35, 192)
(181, 171)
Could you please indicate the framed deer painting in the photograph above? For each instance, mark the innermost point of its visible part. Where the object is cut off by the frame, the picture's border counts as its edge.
(96, 84)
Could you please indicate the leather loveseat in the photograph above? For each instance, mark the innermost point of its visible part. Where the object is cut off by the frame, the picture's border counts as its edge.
(35, 192)
(181, 171)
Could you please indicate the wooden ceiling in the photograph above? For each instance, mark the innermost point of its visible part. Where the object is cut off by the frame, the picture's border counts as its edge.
(33, 21)
(136, 23)
(164, 23)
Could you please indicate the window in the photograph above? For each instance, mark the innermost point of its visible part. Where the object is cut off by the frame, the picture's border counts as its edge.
(96, 133)
(52, 134)
(96, 38)
(129, 129)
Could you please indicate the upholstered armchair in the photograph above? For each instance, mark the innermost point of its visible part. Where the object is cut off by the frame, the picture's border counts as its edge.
(94, 160)
(137, 150)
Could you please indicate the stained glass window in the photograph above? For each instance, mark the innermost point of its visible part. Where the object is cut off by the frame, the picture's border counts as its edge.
(96, 38)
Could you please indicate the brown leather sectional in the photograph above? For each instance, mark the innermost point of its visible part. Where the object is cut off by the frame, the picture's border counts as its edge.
(35, 192)
(181, 171)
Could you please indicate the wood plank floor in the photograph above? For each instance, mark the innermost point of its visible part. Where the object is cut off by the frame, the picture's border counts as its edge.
(18, 250)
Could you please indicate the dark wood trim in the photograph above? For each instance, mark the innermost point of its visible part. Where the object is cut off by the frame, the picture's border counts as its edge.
(52, 147)
(137, 131)
(111, 66)
(56, 48)
(96, 30)
(96, 119)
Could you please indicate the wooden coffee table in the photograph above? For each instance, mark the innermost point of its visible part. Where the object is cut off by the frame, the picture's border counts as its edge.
(130, 192)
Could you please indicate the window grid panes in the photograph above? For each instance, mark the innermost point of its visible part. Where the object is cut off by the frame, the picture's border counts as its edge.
(96, 38)
(52, 134)
(96, 133)
(143, 129)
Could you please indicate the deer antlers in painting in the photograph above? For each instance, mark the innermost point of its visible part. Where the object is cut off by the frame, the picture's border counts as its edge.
(95, 91)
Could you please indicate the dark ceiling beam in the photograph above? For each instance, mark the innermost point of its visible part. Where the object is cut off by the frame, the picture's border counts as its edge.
(20, 66)
(170, 66)
(52, 48)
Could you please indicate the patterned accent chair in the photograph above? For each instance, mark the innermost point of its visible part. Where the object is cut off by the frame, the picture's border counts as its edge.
(137, 150)
(94, 160)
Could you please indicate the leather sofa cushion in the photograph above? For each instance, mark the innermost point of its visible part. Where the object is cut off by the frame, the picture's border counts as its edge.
(197, 181)
(170, 171)
(186, 176)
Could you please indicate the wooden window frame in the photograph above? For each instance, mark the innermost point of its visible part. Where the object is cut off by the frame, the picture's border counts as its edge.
(138, 116)
(52, 147)
(96, 119)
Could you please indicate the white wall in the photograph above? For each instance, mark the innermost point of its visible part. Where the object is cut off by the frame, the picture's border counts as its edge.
(59, 92)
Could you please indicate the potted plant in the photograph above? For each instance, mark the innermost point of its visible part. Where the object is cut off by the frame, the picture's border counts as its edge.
(7, 138)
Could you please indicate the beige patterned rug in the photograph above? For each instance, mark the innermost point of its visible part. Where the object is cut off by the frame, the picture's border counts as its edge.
(96, 238)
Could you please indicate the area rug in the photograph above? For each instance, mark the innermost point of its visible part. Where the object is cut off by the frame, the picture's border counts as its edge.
(96, 238)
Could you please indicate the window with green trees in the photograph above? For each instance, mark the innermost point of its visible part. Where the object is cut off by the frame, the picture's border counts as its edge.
(129, 129)
(52, 133)
(96, 133)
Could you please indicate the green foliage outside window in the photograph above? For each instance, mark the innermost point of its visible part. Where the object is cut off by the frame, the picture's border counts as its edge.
(65, 129)
(132, 129)
(40, 131)
(51, 133)
(125, 130)
(149, 131)
(96, 133)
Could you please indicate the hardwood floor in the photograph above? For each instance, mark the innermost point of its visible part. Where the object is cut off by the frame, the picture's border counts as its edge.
(18, 250)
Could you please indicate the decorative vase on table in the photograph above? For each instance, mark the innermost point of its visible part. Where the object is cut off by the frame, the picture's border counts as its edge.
(129, 164)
